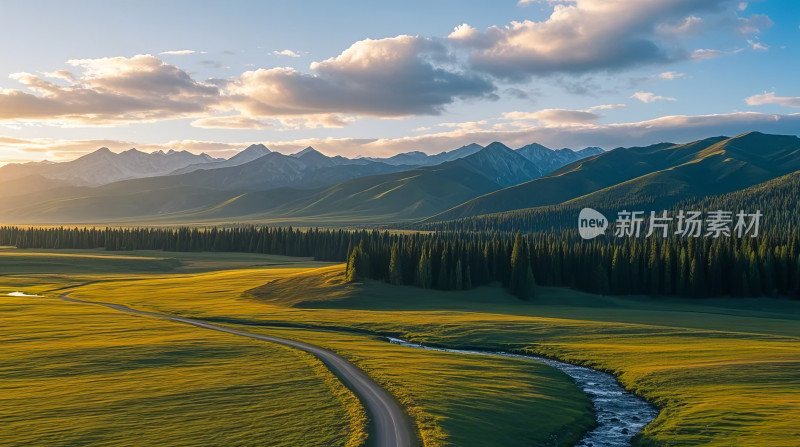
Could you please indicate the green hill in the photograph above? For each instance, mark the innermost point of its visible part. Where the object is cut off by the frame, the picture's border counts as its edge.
(660, 175)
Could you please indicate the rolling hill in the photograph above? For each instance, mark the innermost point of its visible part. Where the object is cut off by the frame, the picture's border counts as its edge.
(661, 173)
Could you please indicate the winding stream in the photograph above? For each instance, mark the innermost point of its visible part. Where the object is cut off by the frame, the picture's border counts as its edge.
(619, 413)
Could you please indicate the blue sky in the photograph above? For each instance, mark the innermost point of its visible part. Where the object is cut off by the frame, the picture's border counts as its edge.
(361, 78)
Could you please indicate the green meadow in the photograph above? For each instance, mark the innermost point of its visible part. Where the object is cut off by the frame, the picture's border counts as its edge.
(723, 371)
(75, 375)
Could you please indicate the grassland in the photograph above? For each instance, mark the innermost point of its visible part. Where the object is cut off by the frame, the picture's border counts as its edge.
(724, 372)
(84, 375)
(453, 398)
(463, 400)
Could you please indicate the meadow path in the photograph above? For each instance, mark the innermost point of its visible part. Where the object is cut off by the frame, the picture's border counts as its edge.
(391, 427)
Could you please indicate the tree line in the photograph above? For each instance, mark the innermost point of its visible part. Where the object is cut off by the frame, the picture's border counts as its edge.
(768, 265)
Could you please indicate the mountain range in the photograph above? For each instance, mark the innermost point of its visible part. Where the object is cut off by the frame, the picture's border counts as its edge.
(308, 187)
(103, 166)
(658, 174)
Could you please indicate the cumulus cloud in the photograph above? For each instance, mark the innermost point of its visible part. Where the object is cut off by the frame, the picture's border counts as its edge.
(392, 77)
(108, 91)
(770, 98)
(286, 52)
(648, 97)
(589, 35)
(64, 75)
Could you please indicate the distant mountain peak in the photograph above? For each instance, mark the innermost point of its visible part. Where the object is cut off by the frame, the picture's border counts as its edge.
(257, 148)
(306, 151)
(251, 153)
(496, 146)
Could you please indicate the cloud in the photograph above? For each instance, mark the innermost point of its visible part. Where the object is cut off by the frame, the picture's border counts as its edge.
(677, 128)
(229, 122)
(108, 91)
(392, 77)
(755, 24)
(64, 75)
(670, 75)
(561, 117)
(691, 25)
(648, 97)
(703, 54)
(286, 52)
(607, 107)
(755, 45)
(177, 52)
(770, 98)
(590, 35)
(213, 64)
(556, 117)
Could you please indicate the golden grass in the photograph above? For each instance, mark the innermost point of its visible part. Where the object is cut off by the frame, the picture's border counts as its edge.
(717, 384)
(724, 372)
(86, 375)
(463, 400)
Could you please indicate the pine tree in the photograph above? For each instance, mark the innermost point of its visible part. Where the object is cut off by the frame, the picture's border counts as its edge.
(395, 267)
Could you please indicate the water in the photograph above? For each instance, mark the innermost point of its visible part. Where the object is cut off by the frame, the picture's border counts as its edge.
(620, 415)
(21, 294)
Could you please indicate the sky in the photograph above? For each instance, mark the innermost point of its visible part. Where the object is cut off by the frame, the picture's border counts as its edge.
(366, 78)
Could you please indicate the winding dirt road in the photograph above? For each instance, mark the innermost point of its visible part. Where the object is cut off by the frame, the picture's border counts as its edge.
(390, 425)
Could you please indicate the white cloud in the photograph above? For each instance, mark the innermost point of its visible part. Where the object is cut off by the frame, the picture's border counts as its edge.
(555, 117)
(688, 26)
(286, 52)
(178, 52)
(115, 90)
(770, 98)
(703, 54)
(591, 35)
(559, 117)
(757, 46)
(648, 97)
(671, 75)
(64, 75)
(229, 122)
(392, 77)
(607, 107)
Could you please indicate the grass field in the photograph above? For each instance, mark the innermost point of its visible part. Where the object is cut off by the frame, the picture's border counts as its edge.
(464, 400)
(724, 372)
(86, 375)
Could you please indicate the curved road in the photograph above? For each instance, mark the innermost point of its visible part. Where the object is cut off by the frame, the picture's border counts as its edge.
(391, 427)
